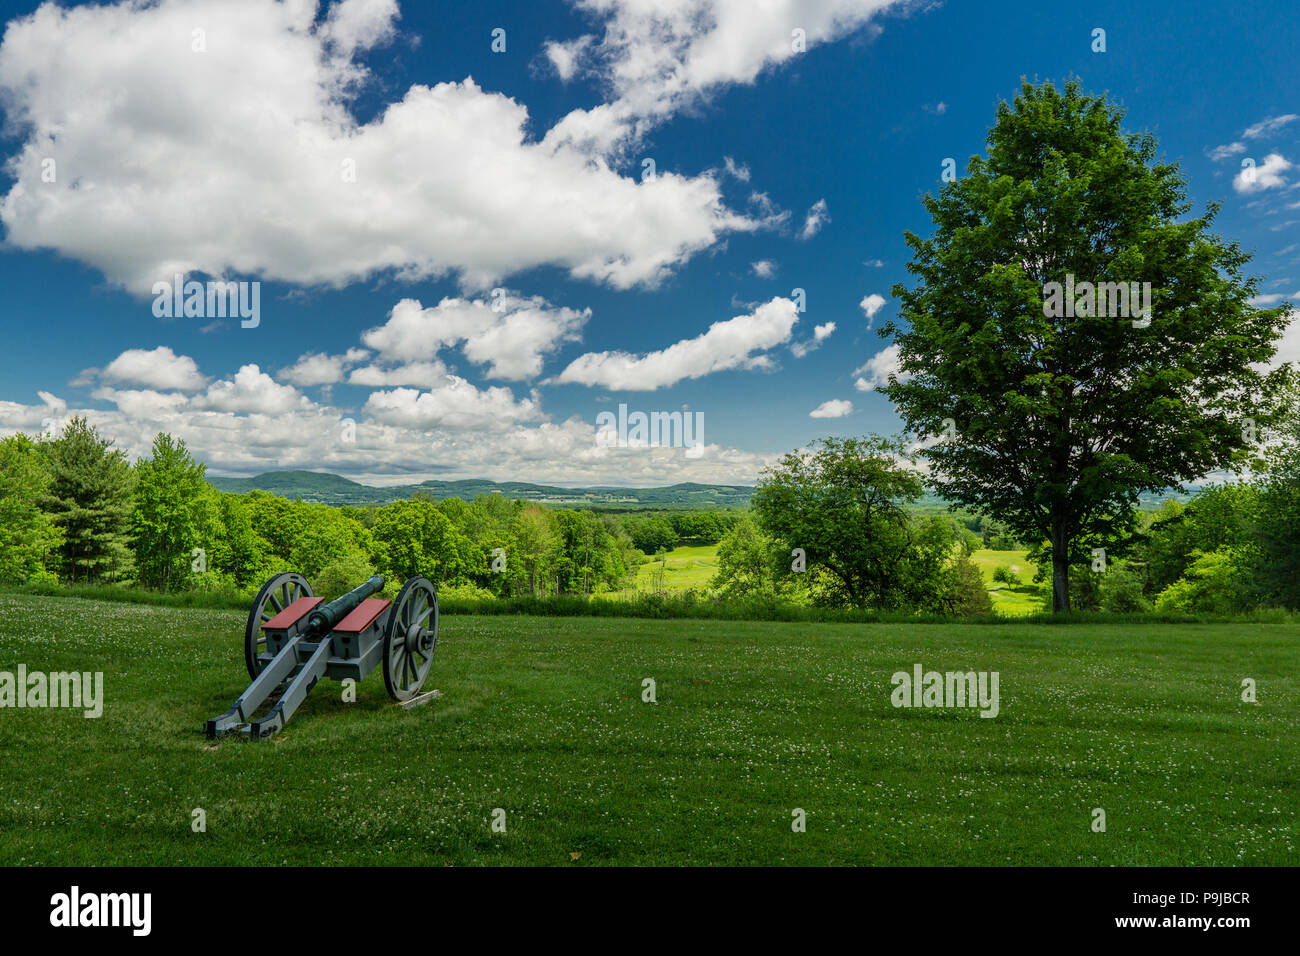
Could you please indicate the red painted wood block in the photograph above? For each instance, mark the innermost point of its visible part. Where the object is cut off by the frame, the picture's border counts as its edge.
(294, 613)
(363, 615)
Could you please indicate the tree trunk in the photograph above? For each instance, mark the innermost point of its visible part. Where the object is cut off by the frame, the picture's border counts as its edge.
(1060, 571)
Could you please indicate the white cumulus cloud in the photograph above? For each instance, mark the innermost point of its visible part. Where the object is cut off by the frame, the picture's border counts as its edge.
(1266, 175)
(159, 368)
(360, 24)
(820, 334)
(453, 401)
(835, 408)
(509, 334)
(251, 391)
(728, 344)
(317, 368)
(661, 57)
(408, 439)
(245, 158)
(875, 373)
(870, 305)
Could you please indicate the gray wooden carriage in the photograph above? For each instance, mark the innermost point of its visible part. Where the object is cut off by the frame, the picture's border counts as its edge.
(293, 639)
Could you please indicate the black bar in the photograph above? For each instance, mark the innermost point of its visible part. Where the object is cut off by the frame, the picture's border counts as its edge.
(979, 906)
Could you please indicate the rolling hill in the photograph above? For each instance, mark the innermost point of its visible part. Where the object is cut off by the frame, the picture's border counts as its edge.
(326, 488)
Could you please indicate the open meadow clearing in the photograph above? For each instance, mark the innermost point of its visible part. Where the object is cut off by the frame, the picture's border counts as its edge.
(694, 566)
(1013, 600)
(690, 566)
(544, 719)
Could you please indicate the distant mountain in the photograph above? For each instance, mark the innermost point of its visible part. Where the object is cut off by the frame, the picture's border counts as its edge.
(325, 488)
(293, 484)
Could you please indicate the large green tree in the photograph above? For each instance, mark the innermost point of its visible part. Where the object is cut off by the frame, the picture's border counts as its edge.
(278, 522)
(844, 503)
(239, 551)
(328, 537)
(749, 562)
(28, 538)
(412, 537)
(1055, 424)
(590, 556)
(652, 533)
(537, 547)
(90, 501)
(173, 515)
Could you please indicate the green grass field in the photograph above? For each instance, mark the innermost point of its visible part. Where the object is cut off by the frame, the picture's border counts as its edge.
(544, 719)
(681, 568)
(1012, 600)
(694, 567)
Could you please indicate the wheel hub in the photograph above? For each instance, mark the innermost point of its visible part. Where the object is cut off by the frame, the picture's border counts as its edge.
(417, 638)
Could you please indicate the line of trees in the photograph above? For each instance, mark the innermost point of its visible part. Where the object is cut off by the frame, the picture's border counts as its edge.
(656, 533)
(74, 510)
(1234, 547)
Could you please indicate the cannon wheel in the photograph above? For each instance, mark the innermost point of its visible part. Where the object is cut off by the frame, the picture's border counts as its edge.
(410, 637)
(276, 595)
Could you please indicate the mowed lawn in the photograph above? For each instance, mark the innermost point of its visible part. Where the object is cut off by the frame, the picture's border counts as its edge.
(544, 719)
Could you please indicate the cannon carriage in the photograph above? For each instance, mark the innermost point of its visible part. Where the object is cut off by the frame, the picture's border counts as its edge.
(293, 639)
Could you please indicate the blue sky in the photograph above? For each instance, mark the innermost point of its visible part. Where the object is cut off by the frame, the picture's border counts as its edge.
(522, 171)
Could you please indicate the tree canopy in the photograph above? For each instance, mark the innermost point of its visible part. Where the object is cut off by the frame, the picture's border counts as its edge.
(843, 503)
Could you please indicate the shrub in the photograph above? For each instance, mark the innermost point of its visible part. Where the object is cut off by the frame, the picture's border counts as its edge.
(1122, 589)
(1212, 585)
(213, 582)
(970, 542)
(1005, 574)
(967, 595)
(341, 576)
(464, 592)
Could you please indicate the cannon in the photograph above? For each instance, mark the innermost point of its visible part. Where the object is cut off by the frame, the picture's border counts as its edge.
(293, 639)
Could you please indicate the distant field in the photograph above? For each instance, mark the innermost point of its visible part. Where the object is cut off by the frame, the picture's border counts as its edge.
(543, 718)
(1024, 598)
(681, 568)
(694, 567)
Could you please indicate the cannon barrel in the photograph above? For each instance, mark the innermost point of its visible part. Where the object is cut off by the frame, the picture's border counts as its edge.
(327, 616)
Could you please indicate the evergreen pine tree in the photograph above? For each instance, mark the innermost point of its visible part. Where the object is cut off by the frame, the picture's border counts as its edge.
(90, 502)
